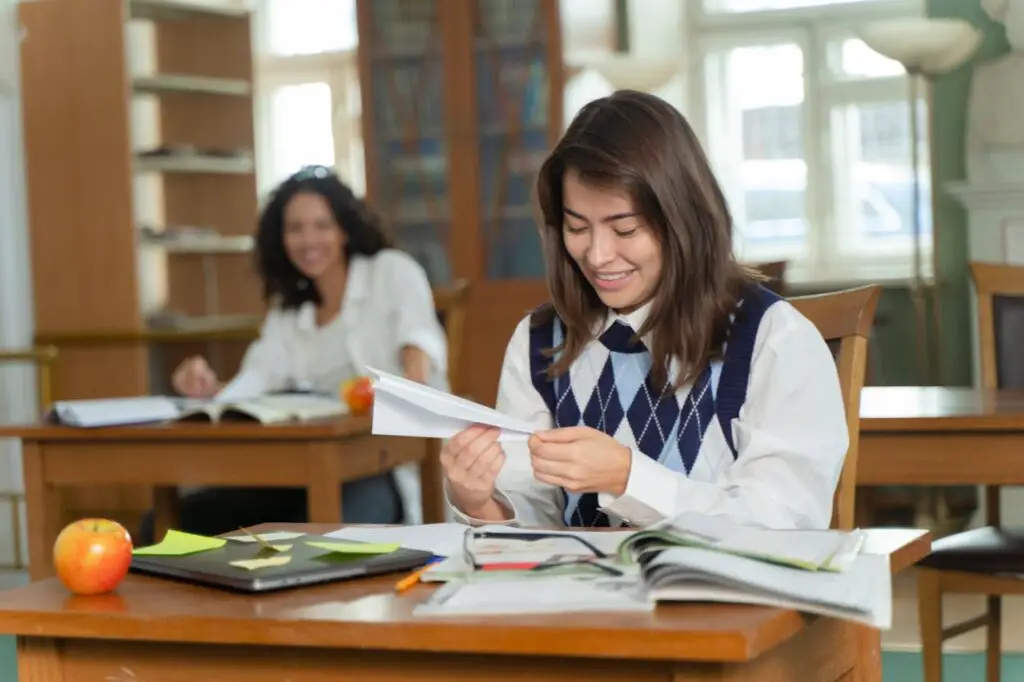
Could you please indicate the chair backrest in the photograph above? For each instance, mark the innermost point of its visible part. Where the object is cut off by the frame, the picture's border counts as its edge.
(43, 357)
(1000, 295)
(450, 302)
(775, 271)
(844, 319)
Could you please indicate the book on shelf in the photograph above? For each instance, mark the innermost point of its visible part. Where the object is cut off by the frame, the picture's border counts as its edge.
(266, 409)
(694, 557)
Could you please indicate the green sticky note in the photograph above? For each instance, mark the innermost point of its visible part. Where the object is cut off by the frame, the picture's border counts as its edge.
(178, 543)
(356, 547)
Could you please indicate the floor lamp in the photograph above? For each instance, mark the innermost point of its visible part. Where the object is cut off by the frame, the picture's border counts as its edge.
(927, 48)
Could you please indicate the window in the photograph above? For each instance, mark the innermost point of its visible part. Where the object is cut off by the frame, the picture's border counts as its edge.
(308, 98)
(809, 131)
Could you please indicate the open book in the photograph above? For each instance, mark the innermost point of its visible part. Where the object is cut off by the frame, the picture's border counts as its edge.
(267, 409)
(694, 557)
(812, 550)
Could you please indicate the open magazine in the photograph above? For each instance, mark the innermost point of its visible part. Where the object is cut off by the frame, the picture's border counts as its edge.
(266, 409)
(694, 557)
(812, 550)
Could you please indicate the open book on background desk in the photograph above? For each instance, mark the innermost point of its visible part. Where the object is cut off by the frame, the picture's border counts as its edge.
(267, 409)
(406, 408)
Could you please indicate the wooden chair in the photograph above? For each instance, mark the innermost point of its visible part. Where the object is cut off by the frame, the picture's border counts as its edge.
(978, 561)
(775, 271)
(450, 302)
(43, 357)
(844, 319)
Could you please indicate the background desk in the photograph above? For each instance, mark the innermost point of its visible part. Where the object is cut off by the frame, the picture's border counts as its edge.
(158, 630)
(928, 435)
(316, 456)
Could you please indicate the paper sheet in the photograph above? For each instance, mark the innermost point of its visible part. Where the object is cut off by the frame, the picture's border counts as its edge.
(244, 386)
(547, 595)
(446, 539)
(441, 539)
(178, 543)
(406, 408)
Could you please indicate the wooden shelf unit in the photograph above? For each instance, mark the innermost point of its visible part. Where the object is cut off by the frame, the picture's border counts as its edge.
(461, 101)
(79, 83)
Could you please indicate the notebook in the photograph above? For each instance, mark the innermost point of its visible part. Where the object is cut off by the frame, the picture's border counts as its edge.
(267, 409)
(306, 564)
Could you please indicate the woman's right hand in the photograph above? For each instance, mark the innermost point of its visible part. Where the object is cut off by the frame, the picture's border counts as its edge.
(195, 378)
(471, 461)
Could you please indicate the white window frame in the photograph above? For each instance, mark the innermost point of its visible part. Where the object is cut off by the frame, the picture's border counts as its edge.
(340, 71)
(815, 30)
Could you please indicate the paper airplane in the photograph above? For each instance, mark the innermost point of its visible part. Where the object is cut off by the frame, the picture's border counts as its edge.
(405, 408)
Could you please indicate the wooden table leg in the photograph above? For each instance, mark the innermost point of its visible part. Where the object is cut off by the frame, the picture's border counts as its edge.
(323, 490)
(868, 667)
(435, 508)
(43, 506)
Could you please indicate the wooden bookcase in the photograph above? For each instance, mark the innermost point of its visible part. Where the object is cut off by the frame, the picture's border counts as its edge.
(462, 100)
(102, 282)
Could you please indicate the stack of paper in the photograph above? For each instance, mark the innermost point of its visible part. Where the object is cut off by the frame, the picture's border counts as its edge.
(553, 595)
(406, 408)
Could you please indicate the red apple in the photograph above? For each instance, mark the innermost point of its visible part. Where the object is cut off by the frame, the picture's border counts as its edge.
(92, 556)
(358, 395)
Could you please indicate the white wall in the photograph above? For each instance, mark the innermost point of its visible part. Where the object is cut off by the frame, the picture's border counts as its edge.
(17, 383)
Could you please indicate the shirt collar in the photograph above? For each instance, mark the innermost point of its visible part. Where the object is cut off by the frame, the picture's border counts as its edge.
(634, 320)
(357, 288)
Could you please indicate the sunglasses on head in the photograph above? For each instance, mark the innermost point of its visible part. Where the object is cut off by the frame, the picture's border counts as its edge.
(313, 171)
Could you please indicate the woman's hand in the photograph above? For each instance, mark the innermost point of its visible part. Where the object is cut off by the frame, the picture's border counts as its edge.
(471, 461)
(581, 460)
(195, 378)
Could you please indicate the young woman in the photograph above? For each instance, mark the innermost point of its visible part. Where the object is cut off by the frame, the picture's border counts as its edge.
(662, 377)
(340, 300)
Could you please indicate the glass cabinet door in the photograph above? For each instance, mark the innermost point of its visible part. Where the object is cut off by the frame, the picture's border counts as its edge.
(510, 62)
(409, 148)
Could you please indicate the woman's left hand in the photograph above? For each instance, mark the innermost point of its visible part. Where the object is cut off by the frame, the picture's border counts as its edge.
(581, 460)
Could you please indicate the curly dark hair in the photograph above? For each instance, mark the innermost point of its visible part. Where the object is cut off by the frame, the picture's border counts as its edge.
(283, 284)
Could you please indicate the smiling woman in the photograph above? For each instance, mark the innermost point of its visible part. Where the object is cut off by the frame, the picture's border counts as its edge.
(340, 300)
(662, 377)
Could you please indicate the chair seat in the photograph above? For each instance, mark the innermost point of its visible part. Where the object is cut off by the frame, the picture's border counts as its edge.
(982, 550)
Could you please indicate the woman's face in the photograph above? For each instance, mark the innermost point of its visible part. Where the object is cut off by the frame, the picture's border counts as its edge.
(313, 239)
(616, 250)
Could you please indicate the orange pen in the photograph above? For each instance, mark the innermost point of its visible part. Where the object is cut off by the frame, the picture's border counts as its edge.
(413, 578)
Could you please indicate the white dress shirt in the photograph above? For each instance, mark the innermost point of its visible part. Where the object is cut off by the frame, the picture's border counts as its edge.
(387, 305)
(791, 439)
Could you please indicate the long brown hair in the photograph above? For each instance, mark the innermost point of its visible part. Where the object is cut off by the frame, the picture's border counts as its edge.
(640, 144)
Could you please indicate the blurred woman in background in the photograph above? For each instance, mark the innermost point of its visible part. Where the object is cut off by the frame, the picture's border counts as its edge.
(340, 299)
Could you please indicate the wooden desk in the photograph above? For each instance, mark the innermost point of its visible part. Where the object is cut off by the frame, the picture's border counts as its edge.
(317, 456)
(927, 435)
(156, 630)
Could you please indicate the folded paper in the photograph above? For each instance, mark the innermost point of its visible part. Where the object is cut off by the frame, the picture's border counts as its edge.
(406, 408)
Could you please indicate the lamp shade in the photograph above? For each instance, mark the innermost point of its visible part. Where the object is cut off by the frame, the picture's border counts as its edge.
(630, 72)
(930, 46)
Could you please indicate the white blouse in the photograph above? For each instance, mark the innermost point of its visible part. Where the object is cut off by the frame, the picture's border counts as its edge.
(791, 438)
(388, 304)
